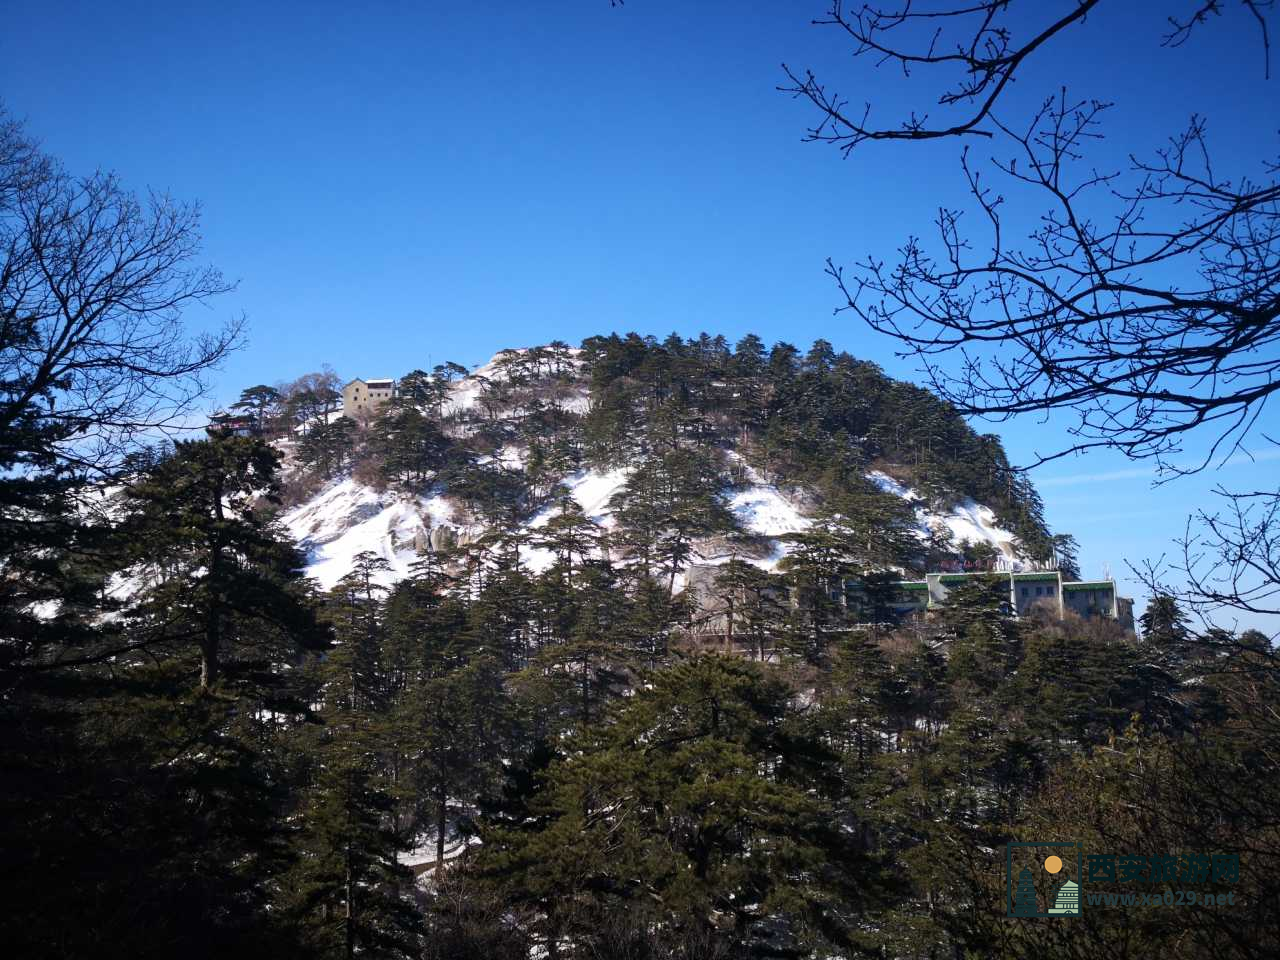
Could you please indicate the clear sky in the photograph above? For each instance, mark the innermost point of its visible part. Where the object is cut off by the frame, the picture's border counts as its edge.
(394, 185)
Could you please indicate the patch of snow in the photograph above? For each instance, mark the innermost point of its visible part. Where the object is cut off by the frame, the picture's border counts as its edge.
(512, 458)
(968, 521)
(765, 511)
(332, 416)
(463, 396)
(348, 518)
(890, 485)
(577, 401)
(593, 491)
(465, 392)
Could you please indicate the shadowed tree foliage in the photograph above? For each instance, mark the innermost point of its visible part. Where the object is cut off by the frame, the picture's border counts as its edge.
(652, 815)
(222, 580)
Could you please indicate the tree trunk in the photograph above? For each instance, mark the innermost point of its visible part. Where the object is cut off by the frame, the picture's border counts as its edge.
(213, 616)
(728, 640)
(442, 813)
(351, 892)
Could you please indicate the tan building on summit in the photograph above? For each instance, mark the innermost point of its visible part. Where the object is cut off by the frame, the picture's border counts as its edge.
(360, 398)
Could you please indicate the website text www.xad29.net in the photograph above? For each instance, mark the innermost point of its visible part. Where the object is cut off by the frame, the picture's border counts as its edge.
(1169, 898)
(1057, 879)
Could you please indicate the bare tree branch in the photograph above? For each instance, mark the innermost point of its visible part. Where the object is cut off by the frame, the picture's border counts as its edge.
(1144, 300)
(93, 283)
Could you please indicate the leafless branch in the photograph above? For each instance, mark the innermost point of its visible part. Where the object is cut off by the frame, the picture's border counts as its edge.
(1074, 318)
(93, 284)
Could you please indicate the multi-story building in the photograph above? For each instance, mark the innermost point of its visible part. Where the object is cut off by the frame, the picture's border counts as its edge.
(871, 600)
(360, 398)
(1028, 591)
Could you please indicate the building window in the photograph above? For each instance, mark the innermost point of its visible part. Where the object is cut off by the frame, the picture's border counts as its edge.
(1039, 591)
(1026, 591)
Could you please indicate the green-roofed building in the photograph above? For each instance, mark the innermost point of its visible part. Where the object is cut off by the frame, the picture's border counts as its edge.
(1043, 590)
(1030, 591)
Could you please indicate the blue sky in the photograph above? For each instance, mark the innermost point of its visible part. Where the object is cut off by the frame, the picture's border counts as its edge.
(403, 184)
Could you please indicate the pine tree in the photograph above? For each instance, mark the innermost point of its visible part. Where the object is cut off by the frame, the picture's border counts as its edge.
(700, 810)
(260, 402)
(348, 891)
(589, 661)
(222, 579)
(174, 755)
(571, 536)
(985, 645)
(819, 562)
(860, 689)
(1077, 684)
(1165, 631)
(753, 605)
(410, 445)
(328, 448)
(456, 722)
(606, 429)
(668, 502)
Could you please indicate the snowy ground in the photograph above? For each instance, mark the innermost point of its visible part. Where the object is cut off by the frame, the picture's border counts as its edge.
(421, 859)
(763, 509)
(592, 490)
(968, 522)
(346, 518)
(466, 391)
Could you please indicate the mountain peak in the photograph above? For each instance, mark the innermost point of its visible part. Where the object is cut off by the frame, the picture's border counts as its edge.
(457, 457)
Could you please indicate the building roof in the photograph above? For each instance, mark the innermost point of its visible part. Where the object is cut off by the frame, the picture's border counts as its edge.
(382, 382)
(962, 577)
(1089, 585)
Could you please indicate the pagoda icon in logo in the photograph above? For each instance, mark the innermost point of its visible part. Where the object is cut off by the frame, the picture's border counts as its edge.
(1067, 901)
(1024, 898)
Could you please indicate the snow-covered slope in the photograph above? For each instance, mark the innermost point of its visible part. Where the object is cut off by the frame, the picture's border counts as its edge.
(467, 391)
(346, 517)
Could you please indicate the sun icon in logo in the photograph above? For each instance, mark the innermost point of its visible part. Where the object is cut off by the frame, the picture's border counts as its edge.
(1053, 864)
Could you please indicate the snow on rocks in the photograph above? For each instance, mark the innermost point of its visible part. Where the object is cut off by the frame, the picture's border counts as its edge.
(765, 511)
(465, 392)
(348, 518)
(968, 522)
